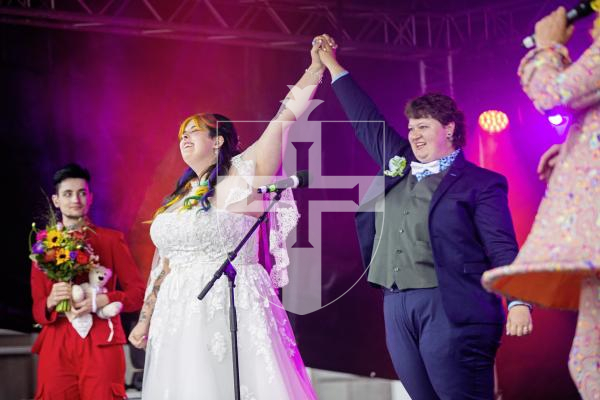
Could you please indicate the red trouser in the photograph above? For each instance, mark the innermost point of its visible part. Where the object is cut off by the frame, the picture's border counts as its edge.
(72, 368)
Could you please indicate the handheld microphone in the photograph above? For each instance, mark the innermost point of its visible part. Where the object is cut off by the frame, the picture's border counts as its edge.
(581, 10)
(300, 179)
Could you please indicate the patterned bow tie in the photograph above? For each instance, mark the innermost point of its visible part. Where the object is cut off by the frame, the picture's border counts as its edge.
(420, 170)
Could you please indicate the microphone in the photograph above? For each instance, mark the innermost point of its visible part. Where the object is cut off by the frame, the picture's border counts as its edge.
(581, 10)
(295, 181)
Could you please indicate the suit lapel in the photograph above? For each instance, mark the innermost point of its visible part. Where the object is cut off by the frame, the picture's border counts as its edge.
(376, 189)
(454, 173)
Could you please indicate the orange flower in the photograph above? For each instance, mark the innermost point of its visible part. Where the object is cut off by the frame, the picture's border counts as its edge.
(50, 256)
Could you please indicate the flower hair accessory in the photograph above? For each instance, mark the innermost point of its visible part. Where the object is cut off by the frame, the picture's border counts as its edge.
(397, 166)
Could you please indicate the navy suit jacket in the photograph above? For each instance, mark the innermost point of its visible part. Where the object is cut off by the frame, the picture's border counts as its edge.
(470, 226)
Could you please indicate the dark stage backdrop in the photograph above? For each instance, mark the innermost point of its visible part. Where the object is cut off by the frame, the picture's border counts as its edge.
(114, 103)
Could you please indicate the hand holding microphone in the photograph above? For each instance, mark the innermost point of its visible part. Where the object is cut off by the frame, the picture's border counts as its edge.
(557, 27)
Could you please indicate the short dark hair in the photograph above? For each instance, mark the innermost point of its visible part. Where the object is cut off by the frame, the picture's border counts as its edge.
(71, 170)
(441, 108)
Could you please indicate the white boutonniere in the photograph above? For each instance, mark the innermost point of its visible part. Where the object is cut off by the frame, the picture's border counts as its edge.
(397, 166)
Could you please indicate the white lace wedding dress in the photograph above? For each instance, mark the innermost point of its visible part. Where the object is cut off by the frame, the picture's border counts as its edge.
(188, 355)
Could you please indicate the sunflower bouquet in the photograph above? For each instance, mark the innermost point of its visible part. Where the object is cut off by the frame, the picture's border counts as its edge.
(61, 254)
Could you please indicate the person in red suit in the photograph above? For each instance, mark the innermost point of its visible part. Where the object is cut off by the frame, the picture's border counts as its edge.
(71, 367)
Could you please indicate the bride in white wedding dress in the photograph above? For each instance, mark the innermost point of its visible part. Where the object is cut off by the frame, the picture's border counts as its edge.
(187, 341)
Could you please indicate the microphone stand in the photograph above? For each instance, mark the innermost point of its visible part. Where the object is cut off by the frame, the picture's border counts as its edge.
(228, 269)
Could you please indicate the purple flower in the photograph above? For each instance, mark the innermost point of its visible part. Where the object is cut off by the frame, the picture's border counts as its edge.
(38, 248)
(73, 254)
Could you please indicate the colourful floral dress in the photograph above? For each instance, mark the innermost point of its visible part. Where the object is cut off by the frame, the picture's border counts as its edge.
(559, 264)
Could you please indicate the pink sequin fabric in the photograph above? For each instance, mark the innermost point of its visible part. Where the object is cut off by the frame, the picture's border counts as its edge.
(564, 242)
(559, 264)
(584, 359)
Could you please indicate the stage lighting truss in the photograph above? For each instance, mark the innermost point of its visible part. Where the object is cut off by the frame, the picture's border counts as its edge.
(289, 25)
(431, 39)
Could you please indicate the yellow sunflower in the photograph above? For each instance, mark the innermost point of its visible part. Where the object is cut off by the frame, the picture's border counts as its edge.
(53, 239)
(62, 255)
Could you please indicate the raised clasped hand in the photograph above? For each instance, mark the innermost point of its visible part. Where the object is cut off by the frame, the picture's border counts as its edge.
(324, 48)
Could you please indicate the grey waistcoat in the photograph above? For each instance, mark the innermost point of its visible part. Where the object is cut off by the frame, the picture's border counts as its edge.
(402, 252)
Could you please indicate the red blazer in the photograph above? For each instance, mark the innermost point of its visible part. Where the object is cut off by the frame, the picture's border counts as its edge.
(114, 253)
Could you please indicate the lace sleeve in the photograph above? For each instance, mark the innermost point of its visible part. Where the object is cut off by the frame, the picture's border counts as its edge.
(154, 272)
(283, 217)
(244, 167)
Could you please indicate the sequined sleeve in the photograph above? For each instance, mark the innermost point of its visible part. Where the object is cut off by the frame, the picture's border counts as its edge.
(552, 81)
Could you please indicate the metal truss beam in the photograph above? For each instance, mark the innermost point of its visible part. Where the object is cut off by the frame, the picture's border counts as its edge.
(285, 25)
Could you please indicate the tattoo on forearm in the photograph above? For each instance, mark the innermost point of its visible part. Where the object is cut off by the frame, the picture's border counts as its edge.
(158, 282)
(281, 110)
(148, 306)
(143, 316)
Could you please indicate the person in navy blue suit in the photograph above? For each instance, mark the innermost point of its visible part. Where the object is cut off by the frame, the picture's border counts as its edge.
(445, 222)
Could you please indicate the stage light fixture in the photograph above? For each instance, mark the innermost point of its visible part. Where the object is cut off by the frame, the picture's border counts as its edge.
(557, 119)
(493, 121)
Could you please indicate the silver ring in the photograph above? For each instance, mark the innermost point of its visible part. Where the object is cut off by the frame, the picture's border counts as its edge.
(314, 41)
